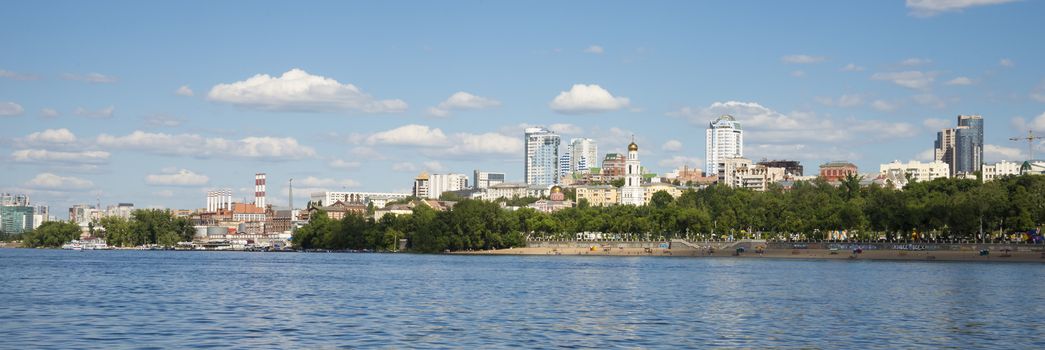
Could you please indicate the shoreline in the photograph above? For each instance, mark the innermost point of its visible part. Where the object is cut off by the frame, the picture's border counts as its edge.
(816, 254)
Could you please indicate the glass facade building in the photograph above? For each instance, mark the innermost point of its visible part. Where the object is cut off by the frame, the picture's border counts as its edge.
(542, 157)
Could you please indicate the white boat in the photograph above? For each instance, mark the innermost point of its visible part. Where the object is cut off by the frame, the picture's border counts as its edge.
(92, 244)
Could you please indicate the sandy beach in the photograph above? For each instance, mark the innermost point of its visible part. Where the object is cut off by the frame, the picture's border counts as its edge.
(1028, 256)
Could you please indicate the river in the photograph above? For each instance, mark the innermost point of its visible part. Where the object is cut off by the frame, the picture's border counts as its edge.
(167, 299)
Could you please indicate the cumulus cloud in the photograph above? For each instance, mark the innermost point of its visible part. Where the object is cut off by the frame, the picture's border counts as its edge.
(1037, 123)
(926, 155)
(487, 143)
(103, 113)
(184, 90)
(929, 8)
(409, 135)
(17, 76)
(930, 100)
(847, 100)
(884, 106)
(595, 49)
(959, 81)
(313, 181)
(852, 67)
(50, 137)
(1005, 62)
(183, 177)
(93, 78)
(672, 146)
(802, 59)
(995, 153)
(1038, 94)
(343, 164)
(49, 181)
(10, 109)
(678, 161)
(583, 98)
(299, 91)
(46, 156)
(462, 101)
(404, 167)
(162, 121)
(367, 153)
(565, 128)
(908, 79)
(798, 73)
(49, 113)
(915, 61)
(272, 148)
(434, 166)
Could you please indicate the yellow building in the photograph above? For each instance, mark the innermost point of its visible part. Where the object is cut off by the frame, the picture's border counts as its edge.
(598, 196)
(650, 189)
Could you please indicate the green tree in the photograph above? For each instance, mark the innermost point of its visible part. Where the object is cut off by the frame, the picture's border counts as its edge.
(51, 234)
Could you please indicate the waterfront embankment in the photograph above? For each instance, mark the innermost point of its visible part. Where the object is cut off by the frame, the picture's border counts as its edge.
(786, 250)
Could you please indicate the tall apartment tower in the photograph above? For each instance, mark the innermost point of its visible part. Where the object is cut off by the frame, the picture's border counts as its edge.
(542, 157)
(725, 140)
(632, 193)
(259, 190)
(961, 147)
(584, 154)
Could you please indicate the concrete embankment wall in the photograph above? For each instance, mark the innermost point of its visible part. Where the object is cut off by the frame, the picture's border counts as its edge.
(587, 244)
(909, 246)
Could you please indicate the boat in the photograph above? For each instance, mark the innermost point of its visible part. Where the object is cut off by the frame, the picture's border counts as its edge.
(91, 244)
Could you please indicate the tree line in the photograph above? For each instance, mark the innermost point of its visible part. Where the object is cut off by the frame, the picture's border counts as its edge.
(942, 209)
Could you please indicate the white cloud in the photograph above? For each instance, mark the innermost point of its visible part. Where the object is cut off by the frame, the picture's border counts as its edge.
(17, 76)
(44, 156)
(802, 59)
(927, 155)
(272, 148)
(909, 79)
(434, 166)
(884, 106)
(49, 113)
(51, 136)
(181, 177)
(565, 128)
(367, 153)
(10, 109)
(1038, 94)
(936, 124)
(406, 167)
(94, 78)
(184, 90)
(164, 193)
(297, 90)
(1037, 124)
(995, 153)
(49, 181)
(847, 100)
(852, 67)
(462, 101)
(915, 61)
(409, 135)
(583, 98)
(959, 81)
(106, 112)
(343, 164)
(798, 74)
(1005, 62)
(930, 100)
(595, 49)
(928, 8)
(672, 146)
(487, 143)
(162, 120)
(313, 181)
(678, 161)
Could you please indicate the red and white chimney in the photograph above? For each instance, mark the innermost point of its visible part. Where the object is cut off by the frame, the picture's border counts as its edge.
(259, 190)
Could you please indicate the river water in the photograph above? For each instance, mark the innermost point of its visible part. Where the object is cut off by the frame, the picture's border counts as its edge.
(143, 299)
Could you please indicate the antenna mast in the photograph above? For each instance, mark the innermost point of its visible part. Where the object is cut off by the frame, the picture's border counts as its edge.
(1030, 142)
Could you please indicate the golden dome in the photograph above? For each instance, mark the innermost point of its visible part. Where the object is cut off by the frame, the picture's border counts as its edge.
(633, 147)
(423, 176)
(556, 189)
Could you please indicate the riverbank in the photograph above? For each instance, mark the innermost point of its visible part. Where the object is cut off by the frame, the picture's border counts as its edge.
(890, 254)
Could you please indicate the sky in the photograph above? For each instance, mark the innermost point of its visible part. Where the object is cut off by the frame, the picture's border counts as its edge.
(154, 103)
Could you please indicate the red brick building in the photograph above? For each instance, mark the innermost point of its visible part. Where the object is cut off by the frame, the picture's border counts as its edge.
(837, 170)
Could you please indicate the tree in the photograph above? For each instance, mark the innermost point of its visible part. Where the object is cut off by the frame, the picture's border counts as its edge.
(51, 234)
(661, 199)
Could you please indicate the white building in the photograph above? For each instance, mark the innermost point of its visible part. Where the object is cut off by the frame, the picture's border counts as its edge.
(742, 173)
(542, 157)
(725, 140)
(1003, 168)
(122, 210)
(440, 183)
(485, 179)
(584, 154)
(259, 190)
(509, 190)
(378, 198)
(220, 199)
(632, 193)
(919, 171)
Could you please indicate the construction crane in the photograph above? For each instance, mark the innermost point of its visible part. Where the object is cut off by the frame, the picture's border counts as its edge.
(1030, 142)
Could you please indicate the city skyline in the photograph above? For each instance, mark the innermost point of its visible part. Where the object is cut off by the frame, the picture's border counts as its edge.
(355, 97)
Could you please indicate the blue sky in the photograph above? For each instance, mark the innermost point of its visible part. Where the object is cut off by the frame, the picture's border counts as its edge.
(154, 103)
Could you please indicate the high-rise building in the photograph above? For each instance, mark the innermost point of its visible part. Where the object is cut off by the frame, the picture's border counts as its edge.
(632, 193)
(791, 167)
(542, 157)
(613, 165)
(584, 154)
(441, 183)
(968, 145)
(16, 215)
(961, 147)
(485, 179)
(725, 140)
(421, 185)
(564, 164)
(259, 190)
